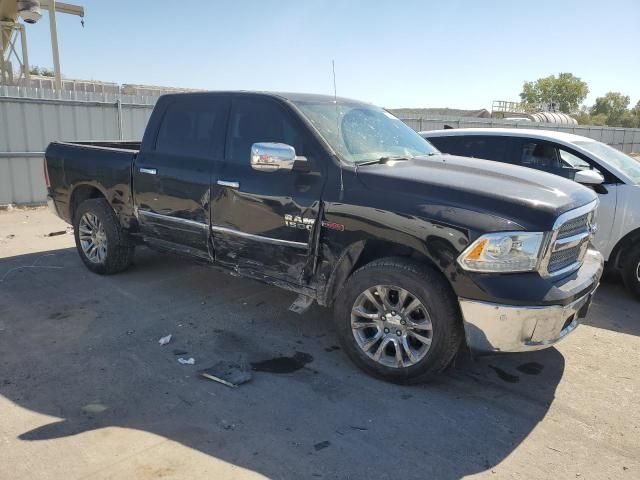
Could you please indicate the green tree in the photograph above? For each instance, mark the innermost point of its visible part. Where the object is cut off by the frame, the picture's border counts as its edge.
(614, 105)
(45, 72)
(565, 91)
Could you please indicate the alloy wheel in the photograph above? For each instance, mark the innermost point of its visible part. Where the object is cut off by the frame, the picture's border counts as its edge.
(93, 239)
(391, 326)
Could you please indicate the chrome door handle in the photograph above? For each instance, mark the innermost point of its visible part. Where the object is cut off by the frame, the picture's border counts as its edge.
(150, 171)
(224, 183)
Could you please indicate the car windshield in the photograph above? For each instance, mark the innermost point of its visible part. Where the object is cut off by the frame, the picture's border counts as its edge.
(362, 133)
(614, 157)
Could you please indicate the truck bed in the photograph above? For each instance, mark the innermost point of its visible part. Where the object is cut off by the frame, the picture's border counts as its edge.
(117, 144)
(79, 167)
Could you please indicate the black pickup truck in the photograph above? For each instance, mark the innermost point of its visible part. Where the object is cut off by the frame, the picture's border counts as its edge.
(342, 203)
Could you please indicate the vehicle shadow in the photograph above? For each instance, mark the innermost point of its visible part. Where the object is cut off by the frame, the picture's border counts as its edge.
(84, 348)
(615, 308)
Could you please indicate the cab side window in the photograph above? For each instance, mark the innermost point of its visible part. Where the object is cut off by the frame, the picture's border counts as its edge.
(540, 155)
(192, 128)
(552, 158)
(255, 120)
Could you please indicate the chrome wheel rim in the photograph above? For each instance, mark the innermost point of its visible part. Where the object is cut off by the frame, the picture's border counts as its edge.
(93, 239)
(638, 272)
(391, 326)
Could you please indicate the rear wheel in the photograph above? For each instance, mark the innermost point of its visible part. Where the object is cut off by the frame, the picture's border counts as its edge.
(398, 320)
(631, 270)
(102, 243)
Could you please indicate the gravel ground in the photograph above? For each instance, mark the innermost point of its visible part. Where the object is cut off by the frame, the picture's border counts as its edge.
(86, 391)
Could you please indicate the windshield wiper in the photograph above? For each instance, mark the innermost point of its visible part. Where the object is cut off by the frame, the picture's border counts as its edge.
(383, 160)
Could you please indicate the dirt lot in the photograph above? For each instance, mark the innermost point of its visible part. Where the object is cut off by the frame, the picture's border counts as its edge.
(86, 391)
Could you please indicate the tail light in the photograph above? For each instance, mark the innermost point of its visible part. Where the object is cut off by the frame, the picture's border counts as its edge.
(46, 173)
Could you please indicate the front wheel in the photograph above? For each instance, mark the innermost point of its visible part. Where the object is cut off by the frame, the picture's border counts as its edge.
(102, 243)
(398, 320)
(631, 270)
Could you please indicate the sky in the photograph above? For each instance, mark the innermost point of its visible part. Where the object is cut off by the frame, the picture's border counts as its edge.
(403, 53)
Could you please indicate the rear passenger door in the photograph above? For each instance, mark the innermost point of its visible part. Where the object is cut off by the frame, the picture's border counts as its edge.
(262, 222)
(172, 175)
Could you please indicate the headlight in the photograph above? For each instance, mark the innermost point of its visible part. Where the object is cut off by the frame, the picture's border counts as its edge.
(503, 252)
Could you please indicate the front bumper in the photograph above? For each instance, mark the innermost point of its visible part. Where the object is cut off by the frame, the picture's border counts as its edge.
(497, 327)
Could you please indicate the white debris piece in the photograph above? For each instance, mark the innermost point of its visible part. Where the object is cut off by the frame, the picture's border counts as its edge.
(187, 361)
(165, 340)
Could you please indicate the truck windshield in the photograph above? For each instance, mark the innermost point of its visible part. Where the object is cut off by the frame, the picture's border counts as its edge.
(614, 157)
(362, 133)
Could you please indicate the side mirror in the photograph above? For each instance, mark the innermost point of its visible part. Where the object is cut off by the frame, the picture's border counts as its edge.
(271, 157)
(589, 177)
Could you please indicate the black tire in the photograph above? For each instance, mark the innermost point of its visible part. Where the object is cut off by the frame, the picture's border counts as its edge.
(430, 288)
(119, 248)
(631, 270)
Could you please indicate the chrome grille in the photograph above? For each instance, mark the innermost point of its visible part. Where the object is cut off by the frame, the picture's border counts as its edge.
(575, 226)
(569, 241)
(563, 258)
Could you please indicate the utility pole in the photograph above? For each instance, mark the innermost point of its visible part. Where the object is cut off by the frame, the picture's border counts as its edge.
(54, 45)
(53, 6)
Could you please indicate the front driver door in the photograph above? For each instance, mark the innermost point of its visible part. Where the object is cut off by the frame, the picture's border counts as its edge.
(262, 222)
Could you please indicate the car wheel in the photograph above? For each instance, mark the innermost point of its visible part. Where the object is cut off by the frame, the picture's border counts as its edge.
(398, 320)
(631, 270)
(102, 243)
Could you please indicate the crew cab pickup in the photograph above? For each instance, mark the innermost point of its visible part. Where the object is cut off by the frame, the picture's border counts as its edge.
(342, 203)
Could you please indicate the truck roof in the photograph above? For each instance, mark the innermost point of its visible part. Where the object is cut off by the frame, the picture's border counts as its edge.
(511, 132)
(291, 96)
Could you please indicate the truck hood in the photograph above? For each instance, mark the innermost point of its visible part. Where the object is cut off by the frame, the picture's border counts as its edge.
(523, 196)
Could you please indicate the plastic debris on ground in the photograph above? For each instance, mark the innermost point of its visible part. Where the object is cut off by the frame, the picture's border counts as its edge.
(187, 361)
(228, 373)
(55, 234)
(165, 340)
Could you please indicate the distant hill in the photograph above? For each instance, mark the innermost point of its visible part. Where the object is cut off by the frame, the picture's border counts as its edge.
(439, 112)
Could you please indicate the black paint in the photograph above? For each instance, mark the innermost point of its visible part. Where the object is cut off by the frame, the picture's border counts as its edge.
(321, 445)
(507, 377)
(531, 368)
(283, 364)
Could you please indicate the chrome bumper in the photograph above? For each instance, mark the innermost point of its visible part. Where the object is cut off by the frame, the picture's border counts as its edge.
(493, 327)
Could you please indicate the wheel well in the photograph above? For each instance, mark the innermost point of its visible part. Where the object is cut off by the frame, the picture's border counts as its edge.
(376, 249)
(362, 253)
(79, 195)
(623, 245)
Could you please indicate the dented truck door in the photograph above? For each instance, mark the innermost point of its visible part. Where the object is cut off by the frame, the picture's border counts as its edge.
(262, 222)
(172, 174)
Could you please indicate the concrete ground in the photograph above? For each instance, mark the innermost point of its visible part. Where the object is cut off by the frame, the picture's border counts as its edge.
(86, 391)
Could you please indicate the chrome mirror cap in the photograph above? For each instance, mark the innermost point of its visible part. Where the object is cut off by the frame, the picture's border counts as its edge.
(271, 157)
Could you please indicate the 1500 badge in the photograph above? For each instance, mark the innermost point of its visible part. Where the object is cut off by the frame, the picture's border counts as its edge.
(302, 223)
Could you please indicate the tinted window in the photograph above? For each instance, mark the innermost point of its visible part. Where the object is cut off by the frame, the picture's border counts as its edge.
(488, 148)
(539, 155)
(192, 127)
(255, 120)
(451, 145)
